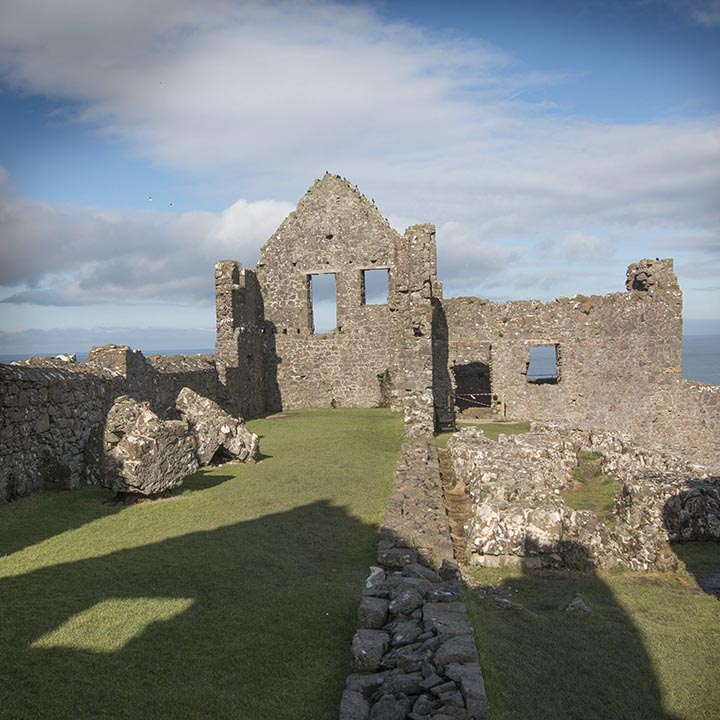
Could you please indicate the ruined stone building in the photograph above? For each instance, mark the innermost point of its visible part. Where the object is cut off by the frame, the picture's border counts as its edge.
(617, 357)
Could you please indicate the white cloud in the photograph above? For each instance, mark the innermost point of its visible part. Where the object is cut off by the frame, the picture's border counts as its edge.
(581, 247)
(702, 12)
(84, 256)
(435, 128)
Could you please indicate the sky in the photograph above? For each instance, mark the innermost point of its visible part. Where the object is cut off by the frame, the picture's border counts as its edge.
(552, 144)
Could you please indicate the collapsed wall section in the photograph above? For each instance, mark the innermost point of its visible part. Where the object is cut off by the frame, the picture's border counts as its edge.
(53, 412)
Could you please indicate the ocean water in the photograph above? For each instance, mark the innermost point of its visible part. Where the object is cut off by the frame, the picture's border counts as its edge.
(701, 358)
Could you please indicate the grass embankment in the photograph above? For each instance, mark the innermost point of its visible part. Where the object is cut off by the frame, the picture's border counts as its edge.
(236, 599)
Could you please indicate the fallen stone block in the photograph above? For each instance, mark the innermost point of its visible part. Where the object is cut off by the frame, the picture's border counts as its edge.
(216, 430)
(143, 454)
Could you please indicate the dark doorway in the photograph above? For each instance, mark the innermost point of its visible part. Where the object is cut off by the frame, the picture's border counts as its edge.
(472, 385)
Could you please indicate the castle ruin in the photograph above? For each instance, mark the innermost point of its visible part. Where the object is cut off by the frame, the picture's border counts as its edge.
(617, 357)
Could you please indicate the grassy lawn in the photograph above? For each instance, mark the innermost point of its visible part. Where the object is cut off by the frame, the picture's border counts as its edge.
(648, 650)
(236, 599)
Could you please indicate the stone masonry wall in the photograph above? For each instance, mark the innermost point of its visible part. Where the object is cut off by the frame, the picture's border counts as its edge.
(240, 345)
(47, 416)
(619, 360)
(334, 230)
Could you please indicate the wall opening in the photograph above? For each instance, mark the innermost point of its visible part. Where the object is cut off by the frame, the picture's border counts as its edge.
(542, 367)
(471, 383)
(375, 286)
(323, 303)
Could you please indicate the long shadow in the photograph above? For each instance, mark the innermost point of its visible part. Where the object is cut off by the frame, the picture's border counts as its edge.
(31, 520)
(692, 519)
(267, 611)
(544, 662)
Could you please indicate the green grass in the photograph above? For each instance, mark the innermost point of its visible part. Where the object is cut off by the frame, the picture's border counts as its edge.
(236, 599)
(648, 650)
(592, 490)
(491, 430)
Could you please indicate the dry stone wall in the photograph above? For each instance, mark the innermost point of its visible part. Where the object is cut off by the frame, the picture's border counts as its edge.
(414, 652)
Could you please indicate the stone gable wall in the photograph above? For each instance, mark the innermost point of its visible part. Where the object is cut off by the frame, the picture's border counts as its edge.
(334, 230)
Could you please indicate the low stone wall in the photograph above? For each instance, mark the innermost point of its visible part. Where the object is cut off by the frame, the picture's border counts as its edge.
(47, 415)
(416, 525)
(519, 515)
(414, 653)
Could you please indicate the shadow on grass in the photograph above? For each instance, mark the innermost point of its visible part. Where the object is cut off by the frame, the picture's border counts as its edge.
(543, 662)
(31, 520)
(266, 614)
(702, 561)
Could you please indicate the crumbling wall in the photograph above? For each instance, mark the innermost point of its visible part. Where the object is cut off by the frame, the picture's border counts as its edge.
(334, 230)
(412, 301)
(52, 412)
(619, 359)
(241, 345)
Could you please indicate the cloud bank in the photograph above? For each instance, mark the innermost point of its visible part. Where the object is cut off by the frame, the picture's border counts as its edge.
(435, 126)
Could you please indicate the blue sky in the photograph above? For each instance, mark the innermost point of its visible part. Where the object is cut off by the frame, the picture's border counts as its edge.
(552, 143)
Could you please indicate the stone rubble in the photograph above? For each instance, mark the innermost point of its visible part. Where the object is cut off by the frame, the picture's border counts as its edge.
(215, 429)
(520, 517)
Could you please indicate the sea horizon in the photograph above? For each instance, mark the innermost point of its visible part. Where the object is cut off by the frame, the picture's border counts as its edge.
(701, 356)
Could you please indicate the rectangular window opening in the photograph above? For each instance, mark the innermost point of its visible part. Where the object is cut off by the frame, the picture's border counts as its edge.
(375, 286)
(323, 303)
(542, 367)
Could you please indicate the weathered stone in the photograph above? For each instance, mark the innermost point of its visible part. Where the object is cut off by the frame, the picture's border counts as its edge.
(368, 648)
(366, 683)
(353, 706)
(408, 658)
(472, 687)
(396, 557)
(372, 612)
(151, 455)
(420, 571)
(390, 708)
(447, 619)
(459, 649)
(400, 683)
(577, 604)
(404, 633)
(407, 601)
(216, 429)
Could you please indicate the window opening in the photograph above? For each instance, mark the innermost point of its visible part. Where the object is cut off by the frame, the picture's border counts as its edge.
(375, 286)
(542, 367)
(323, 303)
